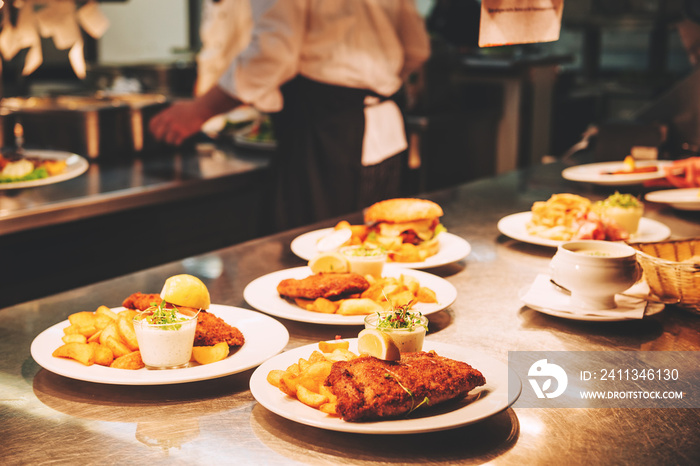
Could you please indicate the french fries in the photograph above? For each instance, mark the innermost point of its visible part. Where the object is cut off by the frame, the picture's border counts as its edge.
(304, 379)
(102, 337)
(383, 294)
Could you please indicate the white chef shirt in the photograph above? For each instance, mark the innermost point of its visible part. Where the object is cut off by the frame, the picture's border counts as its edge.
(366, 44)
(225, 31)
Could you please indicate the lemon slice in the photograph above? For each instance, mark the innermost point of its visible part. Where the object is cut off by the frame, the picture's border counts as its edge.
(376, 343)
(186, 290)
(329, 262)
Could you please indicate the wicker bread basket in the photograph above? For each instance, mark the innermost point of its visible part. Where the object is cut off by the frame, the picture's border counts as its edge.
(672, 271)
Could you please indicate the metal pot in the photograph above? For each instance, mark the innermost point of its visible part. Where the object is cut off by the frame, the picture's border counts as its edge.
(93, 126)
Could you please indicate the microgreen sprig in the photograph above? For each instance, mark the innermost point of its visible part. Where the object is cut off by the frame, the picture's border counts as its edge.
(414, 406)
(400, 317)
(159, 314)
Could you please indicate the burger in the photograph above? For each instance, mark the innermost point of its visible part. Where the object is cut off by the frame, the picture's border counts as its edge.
(407, 228)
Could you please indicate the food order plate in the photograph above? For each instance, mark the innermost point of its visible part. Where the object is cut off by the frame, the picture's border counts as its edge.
(681, 199)
(262, 294)
(601, 173)
(514, 226)
(264, 338)
(545, 297)
(452, 249)
(75, 166)
(481, 402)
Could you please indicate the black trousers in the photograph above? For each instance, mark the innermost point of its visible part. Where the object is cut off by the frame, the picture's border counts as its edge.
(317, 172)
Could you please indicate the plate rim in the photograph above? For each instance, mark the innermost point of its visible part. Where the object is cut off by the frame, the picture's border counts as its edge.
(570, 173)
(259, 387)
(681, 204)
(465, 250)
(323, 319)
(531, 239)
(656, 307)
(261, 350)
(81, 167)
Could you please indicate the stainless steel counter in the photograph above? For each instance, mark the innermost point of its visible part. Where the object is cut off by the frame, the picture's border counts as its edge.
(46, 418)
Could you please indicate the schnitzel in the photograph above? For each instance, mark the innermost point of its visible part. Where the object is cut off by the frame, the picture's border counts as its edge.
(369, 388)
(210, 328)
(323, 285)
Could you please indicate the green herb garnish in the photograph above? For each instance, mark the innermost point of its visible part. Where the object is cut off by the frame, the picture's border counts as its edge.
(620, 200)
(364, 251)
(414, 406)
(159, 314)
(36, 174)
(400, 317)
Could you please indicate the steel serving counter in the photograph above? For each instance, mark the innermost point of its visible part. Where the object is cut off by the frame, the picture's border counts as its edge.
(46, 418)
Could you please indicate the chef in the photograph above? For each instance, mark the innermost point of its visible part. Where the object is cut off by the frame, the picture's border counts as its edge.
(326, 72)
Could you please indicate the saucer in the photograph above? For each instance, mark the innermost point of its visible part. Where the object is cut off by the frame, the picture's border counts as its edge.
(545, 297)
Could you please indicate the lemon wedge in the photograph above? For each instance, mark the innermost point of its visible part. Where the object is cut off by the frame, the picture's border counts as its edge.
(329, 262)
(186, 290)
(210, 354)
(379, 344)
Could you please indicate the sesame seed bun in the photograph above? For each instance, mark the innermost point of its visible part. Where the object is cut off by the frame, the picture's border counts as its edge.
(402, 210)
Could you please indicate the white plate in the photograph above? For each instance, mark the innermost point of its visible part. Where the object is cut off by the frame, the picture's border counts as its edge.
(262, 294)
(597, 173)
(514, 226)
(481, 402)
(75, 166)
(681, 199)
(264, 338)
(452, 249)
(546, 298)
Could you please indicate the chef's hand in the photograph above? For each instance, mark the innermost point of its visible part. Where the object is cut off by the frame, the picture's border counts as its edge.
(684, 173)
(183, 119)
(177, 122)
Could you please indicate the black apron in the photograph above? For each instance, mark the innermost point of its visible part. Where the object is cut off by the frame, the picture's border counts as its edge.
(317, 171)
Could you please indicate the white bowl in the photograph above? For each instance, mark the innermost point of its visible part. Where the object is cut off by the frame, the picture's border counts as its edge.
(594, 271)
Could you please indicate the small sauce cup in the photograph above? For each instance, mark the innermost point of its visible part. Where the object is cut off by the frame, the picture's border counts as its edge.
(365, 260)
(594, 271)
(166, 346)
(408, 340)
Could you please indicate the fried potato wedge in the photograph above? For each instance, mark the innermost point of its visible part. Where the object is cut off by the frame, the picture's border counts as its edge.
(105, 311)
(329, 346)
(81, 352)
(126, 331)
(110, 330)
(82, 319)
(103, 355)
(118, 348)
(358, 307)
(310, 398)
(74, 338)
(130, 361)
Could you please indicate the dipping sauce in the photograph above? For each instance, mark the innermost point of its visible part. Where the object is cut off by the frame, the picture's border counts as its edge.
(623, 209)
(406, 328)
(365, 260)
(165, 343)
